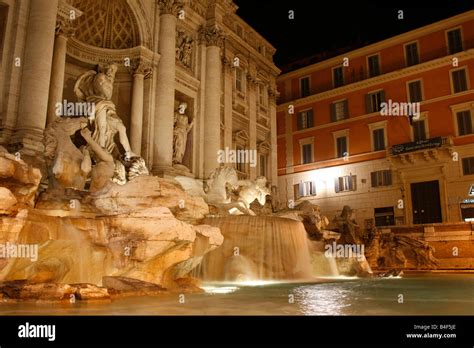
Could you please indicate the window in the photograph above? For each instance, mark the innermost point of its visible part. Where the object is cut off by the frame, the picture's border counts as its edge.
(468, 165)
(419, 132)
(384, 216)
(304, 87)
(263, 165)
(239, 80)
(381, 178)
(338, 77)
(454, 41)
(414, 92)
(374, 65)
(341, 147)
(464, 122)
(411, 54)
(459, 80)
(345, 183)
(339, 111)
(307, 152)
(379, 139)
(262, 100)
(305, 189)
(373, 101)
(305, 119)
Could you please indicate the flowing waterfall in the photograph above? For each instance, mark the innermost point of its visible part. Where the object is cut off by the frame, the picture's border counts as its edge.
(323, 266)
(258, 248)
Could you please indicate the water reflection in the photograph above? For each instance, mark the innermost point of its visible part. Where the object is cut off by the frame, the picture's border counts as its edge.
(322, 299)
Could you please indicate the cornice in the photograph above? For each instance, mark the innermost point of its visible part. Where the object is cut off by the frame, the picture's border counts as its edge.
(415, 69)
(378, 46)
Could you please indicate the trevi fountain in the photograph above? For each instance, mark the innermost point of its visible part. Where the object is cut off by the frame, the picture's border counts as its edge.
(93, 232)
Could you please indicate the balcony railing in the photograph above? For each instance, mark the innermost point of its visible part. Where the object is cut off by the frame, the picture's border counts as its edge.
(419, 145)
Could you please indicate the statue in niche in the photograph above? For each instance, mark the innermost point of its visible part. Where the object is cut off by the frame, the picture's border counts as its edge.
(96, 87)
(184, 49)
(96, 157)
(182, 127)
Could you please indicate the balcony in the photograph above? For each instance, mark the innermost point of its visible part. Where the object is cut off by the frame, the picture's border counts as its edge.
(428, 149)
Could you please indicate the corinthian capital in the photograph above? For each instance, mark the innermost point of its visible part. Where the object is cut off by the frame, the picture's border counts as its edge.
(170, 6)
(212, 36)
(141, 67)
(65, 28)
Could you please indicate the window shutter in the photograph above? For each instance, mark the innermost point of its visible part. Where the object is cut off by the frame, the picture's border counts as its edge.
(313, 188)
(382, 96)
(373, 179)
(353, 182)
(302, 190)
(299, 121)
(346, 108)
(388, 177)
(333, 112)
(336, 185)
(296, 191)
(310, 118)
(368, 104)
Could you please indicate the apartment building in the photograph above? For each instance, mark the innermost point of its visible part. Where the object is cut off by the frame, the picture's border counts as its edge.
(386, 129)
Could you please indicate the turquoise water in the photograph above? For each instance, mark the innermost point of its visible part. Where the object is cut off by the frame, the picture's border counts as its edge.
(422, 295)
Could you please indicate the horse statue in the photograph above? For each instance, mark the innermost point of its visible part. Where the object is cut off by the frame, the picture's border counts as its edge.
(215, 190)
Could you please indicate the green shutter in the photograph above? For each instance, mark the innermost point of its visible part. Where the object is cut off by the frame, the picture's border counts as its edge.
(346, 108)
(354, 182)
(310, 118)
(368, 104)
(333, 112)
(373, 179)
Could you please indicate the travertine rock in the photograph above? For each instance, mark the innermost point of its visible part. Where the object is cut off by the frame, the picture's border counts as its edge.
(7, 201)
(129, 285)
(25, 290)
(19, 178)
(150, 191)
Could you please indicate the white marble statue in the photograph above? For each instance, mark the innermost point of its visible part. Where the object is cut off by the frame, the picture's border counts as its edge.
(217, 191)
(182, 127)
(96, 87)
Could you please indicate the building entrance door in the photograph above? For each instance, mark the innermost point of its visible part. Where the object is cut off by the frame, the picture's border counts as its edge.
(425, 201)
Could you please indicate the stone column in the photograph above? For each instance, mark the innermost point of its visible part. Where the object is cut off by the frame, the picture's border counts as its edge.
(273, 175)
(165, 88)
(228, 100)
(64, 30)
(252, 98)
(141, 71)
(37, 61)
(213, 37)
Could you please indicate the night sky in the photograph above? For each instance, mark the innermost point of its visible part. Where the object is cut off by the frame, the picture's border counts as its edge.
(336, 27)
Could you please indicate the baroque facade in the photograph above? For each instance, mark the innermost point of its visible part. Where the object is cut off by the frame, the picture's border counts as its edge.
(196, 56)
